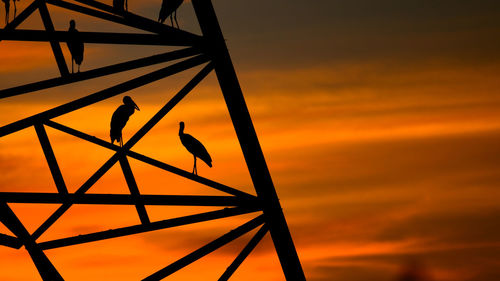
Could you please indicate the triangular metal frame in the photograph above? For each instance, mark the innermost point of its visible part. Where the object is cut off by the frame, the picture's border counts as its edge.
(209, 49)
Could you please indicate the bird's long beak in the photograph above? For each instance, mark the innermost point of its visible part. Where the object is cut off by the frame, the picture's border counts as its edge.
(135, 105)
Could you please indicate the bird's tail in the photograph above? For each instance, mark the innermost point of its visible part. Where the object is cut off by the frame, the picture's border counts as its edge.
(161, 16)
(113, 137)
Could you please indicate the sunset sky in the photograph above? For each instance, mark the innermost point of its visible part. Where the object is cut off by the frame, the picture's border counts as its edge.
(379, 121)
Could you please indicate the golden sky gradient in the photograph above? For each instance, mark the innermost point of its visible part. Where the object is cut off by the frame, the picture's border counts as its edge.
(379, 120)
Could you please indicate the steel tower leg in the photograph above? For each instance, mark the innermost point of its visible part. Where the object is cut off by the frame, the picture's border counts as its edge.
(249, 142)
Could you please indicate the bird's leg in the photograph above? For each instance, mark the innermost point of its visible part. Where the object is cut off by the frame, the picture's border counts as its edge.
(72, 65)
(194, 166)
(172, 20)
(175, 17)
(126, 5)
(15, 8)
(121, 142)
(78, 68)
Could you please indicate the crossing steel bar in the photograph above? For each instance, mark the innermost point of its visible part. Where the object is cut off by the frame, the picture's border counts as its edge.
(99, 72)
(244, 253)
(134, 190)
(51, 159)
(151, 161)
(46, 269)
(141, 228)
(139, 22)
(22, 16)
(104, 94)
(249, 142)
(56, 47)
(9, 241)
(205, 250)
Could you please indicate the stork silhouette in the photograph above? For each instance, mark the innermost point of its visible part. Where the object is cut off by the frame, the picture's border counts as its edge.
(195, 147)
(120, 118)
(75, 46)
(169, 8)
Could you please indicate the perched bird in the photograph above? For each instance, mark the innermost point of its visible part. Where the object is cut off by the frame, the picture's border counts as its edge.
(195, 147)
(75, 46)
(169, 8)
(120, 118)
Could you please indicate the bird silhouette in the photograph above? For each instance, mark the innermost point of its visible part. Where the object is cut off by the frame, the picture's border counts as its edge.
(169, 8)
(195, 147)
(75, 46)
(120, 118)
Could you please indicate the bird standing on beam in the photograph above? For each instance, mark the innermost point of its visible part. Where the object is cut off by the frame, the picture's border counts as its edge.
(169, 8)
(75, 46)
(195, 147)
(120, 118)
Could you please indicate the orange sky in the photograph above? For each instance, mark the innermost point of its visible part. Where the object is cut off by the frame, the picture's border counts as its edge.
(379, 122)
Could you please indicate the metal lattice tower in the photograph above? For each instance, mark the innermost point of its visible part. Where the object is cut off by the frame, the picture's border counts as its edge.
(209, 49)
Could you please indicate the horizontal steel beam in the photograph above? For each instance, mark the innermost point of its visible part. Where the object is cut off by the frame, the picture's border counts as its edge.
(135, 229)
(125, 199)
(100, 72)
(151, 161)
(104, 94)
(205, 250)
(93, 37)
(10, 241)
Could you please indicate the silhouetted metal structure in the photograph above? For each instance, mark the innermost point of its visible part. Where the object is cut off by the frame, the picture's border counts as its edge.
(209, 49)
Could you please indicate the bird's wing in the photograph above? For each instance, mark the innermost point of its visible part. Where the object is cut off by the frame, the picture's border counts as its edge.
(161, 16)
(71, 47)
(197, 149)
(79, 52)
(78, 47)
(119, 119)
